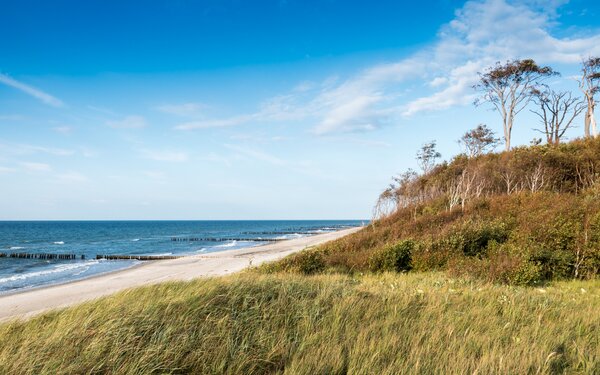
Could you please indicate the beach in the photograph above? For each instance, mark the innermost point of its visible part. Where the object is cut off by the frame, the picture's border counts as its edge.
(32, 302)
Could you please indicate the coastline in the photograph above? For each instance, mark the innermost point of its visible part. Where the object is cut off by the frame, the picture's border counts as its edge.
(30, 302)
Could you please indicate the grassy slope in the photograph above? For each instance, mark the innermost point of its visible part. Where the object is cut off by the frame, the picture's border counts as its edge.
(252, 323)
(347, 320)
(521, 238)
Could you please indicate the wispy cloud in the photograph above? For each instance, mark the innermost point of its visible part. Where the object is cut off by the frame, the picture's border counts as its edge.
(184, 109)
(36, 167)
(165, 155)
(155, 175)
(128, 122)
(71, 178)
(481, 33)
(63, 129)
(6, 169)
(256, 154)
(30, 90)
(27, 149)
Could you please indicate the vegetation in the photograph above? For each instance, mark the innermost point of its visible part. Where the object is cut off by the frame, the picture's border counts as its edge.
(327, 324)
(523, 217)
(486, 264)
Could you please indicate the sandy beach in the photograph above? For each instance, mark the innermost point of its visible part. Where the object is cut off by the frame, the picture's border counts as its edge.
(32, 302)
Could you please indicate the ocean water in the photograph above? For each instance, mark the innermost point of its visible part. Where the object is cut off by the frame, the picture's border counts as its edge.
(90, 238)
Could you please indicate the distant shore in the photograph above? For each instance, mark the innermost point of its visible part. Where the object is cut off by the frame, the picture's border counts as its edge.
(32, 302)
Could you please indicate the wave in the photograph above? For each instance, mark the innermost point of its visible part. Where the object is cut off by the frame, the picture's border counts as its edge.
(289, 236)
(135, 240)
(59, 242)
(56, 269)
(228, 244)
(15, 248)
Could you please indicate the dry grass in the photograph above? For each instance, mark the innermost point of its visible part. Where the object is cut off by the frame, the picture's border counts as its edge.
(327, 324)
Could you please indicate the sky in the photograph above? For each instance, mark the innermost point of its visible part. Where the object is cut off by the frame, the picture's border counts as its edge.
(223, 109)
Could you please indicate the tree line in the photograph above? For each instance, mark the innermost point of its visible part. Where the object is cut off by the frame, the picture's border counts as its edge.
(510, 88)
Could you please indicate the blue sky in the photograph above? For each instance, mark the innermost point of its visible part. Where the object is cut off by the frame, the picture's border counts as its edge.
(251, 110)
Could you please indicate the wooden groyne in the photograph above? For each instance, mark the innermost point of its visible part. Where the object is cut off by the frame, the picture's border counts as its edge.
(280, 233)
(42, 256)
(219, 239)
(136, 257)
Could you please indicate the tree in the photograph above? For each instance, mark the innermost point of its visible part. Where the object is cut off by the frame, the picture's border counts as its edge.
(589, 84)
(557, 111)
(477, 141)
(509, 88)
(427, 156)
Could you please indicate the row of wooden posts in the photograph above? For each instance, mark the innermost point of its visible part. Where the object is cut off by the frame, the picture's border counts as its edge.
(137, 257)
(50, 256)
(41, 256)
(218, 239)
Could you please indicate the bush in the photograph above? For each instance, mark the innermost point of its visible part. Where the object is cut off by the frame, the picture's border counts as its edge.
(309, 262)
(396, 257)
(473, 238)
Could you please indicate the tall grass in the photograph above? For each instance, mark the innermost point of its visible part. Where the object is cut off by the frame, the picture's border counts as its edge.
(325, 324)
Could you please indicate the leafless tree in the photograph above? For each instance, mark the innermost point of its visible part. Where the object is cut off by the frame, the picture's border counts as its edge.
(589, 84)
(557, 111)
(509, 88)
(536, 179)
(477, 141)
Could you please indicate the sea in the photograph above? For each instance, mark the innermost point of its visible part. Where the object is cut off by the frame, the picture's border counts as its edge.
(87, 239)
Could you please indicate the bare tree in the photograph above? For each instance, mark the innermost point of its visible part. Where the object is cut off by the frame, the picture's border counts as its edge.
(477, 141)
(427, 156)
(557, 111)
(509, 88)
(589, 84)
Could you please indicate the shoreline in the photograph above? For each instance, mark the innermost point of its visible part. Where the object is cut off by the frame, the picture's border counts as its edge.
(30, 302)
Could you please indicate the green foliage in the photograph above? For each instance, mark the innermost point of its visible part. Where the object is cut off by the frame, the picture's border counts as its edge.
(472, 239)
(395, 258)
(307, 262)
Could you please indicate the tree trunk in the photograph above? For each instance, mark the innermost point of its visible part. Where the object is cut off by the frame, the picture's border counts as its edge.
(507, 131)
(593, 123)
(587, 123)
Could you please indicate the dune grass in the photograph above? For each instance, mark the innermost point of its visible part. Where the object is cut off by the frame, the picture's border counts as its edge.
(326, 324)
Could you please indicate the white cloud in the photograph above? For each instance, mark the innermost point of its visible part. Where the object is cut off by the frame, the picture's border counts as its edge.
(30, 90)
(157, 175)
(481, 33)
(216, 158)
(26, 149)
(6, 169)
(257, 154)
(71, 178)
(168, 156)
(184, 109)
(484, 32)
(36, 167)
(219, 123)
(63, 129)
(128, 122)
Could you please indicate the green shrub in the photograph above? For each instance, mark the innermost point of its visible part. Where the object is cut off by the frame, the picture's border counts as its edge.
(396, 257)
(472, 239)
(309, 262)
(432, 255)
(529, 273)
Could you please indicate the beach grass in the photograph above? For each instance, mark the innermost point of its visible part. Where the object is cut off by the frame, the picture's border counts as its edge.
(251, 323)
